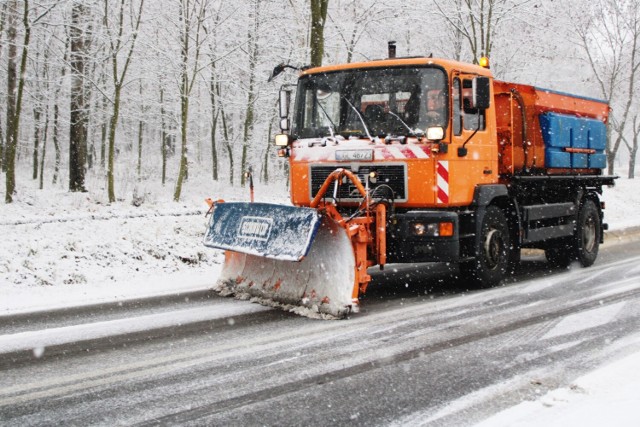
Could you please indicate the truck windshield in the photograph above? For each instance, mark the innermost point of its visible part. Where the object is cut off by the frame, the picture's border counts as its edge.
(390, 101)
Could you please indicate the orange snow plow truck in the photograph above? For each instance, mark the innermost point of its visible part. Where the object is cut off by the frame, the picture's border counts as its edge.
(409, 160)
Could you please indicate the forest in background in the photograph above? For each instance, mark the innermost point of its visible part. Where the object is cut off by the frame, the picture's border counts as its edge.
(107, 95)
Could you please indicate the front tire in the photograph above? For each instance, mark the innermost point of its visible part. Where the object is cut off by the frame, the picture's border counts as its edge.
(493, 255)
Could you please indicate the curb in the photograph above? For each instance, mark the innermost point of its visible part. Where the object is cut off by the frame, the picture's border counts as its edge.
(622, 234)
(24, 356)
(41, 315)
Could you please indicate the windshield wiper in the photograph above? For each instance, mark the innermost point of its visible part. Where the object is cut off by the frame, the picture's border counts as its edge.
(412, 132)
(331, 131)
(364, 124)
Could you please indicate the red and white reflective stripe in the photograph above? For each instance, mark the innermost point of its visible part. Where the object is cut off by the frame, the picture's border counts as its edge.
(389, 152)
(442, 181)
(403, 152)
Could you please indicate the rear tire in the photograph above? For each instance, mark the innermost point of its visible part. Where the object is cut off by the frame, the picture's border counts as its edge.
(493, 251)
(588, 233)
(583, 245)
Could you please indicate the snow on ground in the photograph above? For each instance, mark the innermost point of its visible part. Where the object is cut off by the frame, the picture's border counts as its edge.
(61, 249)
(608, 396)
(64, 249)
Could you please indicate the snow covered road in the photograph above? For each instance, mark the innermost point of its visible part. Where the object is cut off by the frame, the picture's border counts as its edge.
(414, 356)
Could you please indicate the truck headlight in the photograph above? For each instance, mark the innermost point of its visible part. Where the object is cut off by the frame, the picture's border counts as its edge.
(435, 133)
(423, 230)
(432, 229)
(282, 140)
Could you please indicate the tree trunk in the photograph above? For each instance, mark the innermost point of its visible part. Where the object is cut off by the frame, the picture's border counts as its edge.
(113, 126)
(36, 140)
(12, 82)
(191, 18)
(184, 108)
(119, 80)
(164, 137)
(227, 141)
(15, 126)
(140, 130)
(182, 172)
(633, 150)
(318, 19)
(265, 162)
(56, 143)
(44, 146)
(78, 108)
(3, 19)
(103, 138)
(1, 147)
(251, 98)
(214, 124)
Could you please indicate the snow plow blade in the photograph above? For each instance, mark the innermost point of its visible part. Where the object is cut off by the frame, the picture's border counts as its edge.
(289, 257)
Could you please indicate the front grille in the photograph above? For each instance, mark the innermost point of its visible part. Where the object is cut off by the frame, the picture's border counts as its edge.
(392, 175)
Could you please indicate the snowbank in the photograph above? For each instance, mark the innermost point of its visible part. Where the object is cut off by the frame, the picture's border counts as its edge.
(607, 396)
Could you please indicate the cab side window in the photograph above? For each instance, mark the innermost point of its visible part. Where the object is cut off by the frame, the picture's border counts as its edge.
(473, 118)
(456, 111)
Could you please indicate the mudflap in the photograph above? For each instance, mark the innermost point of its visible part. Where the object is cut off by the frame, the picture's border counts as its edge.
(322, 284)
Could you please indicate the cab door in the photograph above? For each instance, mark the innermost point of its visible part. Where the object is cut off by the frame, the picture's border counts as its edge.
(474, 155)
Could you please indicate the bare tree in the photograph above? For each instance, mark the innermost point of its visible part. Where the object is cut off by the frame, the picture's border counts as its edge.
(633, 146)
(477, 21)
(12, 80)
(215, 113)
(3, 19)
(192, 14)
(117, 43)
(163, 136)
(610, 38)
(143, 110)
(361, 18)
(252, 48)
(56, 115)
(13, 120)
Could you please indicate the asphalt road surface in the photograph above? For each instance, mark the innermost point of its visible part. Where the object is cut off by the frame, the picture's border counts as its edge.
(424, 350)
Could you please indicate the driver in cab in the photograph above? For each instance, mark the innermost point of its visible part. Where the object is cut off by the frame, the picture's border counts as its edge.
(435, 107)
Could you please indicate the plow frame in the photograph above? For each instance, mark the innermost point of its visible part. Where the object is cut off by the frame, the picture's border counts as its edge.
(367, 232)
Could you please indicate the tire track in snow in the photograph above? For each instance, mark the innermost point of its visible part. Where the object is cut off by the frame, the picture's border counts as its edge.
(283, 389)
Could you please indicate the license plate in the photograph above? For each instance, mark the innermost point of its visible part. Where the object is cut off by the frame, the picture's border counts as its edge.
(354, 155)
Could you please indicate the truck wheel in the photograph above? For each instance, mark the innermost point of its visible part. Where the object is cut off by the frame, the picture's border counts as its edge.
(583, 245)
(587, 237)
(493, 250)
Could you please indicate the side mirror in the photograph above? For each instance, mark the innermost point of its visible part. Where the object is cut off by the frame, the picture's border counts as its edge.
(285, 99)
(481, 93)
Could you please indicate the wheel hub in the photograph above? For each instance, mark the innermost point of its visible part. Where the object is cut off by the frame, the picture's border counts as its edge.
(493, 248)
(589, 234)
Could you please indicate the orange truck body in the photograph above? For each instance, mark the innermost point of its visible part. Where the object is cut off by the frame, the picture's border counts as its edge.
(535, 155)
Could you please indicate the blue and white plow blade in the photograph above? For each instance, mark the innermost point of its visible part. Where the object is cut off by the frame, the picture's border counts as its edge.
(285, 256)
